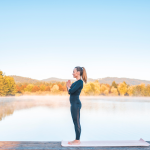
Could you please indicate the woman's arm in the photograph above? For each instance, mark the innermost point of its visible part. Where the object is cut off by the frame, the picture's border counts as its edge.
(75, 88)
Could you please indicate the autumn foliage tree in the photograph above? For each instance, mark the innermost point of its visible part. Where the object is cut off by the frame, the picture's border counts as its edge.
(114, 91)
(130, 90)
(122, 88)
(7, 85)
(92, 88)
(114, 84)
(147, 90)
(29, 87)
(35, 88)
(55, 88)
(47, 88)
(104, 89)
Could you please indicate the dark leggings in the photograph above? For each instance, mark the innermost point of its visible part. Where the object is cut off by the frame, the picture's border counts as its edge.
(75, 113)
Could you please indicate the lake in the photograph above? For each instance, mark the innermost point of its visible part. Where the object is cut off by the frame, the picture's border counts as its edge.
(48, 118)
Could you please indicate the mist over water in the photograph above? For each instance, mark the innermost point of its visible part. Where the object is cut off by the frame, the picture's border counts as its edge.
(48, 118)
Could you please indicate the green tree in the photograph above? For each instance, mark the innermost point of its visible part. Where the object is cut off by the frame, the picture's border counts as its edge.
(114, 84)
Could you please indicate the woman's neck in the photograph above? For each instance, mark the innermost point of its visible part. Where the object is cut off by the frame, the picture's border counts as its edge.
(78, 78)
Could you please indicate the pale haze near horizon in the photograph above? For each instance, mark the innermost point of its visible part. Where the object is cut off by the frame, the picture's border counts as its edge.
(43, 39)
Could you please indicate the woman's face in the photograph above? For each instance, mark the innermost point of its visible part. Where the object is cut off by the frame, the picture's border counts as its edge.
(76, 73)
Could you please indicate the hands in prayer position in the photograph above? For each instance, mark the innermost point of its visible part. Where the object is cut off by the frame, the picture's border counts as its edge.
(68, 84)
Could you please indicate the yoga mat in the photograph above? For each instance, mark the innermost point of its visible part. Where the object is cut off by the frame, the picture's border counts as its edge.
(140, 142)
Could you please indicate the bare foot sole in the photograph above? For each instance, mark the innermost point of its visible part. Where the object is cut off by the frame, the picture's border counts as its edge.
(74, 142)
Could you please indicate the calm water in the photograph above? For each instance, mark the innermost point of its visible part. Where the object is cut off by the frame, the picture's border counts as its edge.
(48, 118)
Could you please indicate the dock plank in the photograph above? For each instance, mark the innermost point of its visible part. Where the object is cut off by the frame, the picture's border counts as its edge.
(56, 145)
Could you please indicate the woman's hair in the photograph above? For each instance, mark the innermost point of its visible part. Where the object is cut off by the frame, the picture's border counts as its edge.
(82, 73)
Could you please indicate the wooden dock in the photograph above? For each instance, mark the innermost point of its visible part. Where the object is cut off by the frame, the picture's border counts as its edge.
(45, 145)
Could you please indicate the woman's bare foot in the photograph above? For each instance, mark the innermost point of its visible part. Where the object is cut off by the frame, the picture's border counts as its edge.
(75, 142)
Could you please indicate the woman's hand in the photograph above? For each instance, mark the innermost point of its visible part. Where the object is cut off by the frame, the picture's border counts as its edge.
(68, 83)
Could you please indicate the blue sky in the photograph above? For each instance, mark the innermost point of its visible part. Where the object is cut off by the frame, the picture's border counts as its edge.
(42, 39)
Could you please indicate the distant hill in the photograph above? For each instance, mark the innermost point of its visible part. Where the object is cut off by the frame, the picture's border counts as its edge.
(56, 79)
(107, 80)
(129, 81)
(23, 79)
(19, 79)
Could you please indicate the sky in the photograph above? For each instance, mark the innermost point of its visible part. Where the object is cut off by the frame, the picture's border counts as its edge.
(40, 39)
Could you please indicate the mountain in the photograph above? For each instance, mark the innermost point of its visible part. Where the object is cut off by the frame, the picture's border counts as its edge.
(23, 79)
(56, 79)
(107, 80)
(129, 81)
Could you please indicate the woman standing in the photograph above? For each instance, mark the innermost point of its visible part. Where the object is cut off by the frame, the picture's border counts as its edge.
(74, 90)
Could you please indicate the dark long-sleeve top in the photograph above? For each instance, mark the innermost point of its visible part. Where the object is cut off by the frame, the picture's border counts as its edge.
(75, 90)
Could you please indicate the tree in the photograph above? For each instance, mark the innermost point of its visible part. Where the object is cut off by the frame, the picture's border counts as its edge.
(42, 87)
(35, 88)
(1, 84)
(122, 88)
(106, 92)
(92, 88)
(47, 88)
(97, 88)
(55, 88)
(130, 90)
(104, 89)
(139, 90)
(9, 85)
(148, 90)
(18, 88)
(114, 84)
(23, 87)
(61, 88)
(114, 91)
(87, 89)
(29, 87)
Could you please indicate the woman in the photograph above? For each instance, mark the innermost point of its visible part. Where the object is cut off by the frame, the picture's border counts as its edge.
(74, 90)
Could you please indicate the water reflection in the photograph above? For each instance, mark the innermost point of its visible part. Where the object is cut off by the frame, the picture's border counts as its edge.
(49, 118)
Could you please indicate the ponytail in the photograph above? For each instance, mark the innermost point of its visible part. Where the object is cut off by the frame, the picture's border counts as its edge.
(84, 75)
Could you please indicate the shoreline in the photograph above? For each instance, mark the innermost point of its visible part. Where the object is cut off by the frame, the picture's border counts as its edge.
(99, 97)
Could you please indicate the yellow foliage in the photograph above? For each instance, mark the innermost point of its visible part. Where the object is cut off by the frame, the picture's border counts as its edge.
(140, 90)
(106, 92)
(114, 91)
(29, 87)
(7, 85)
(97, 88)
(148, 90)
(104, 89)
(92, 88)
(55, 88)
(87, 88)
(122, 88)
(130, 90)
